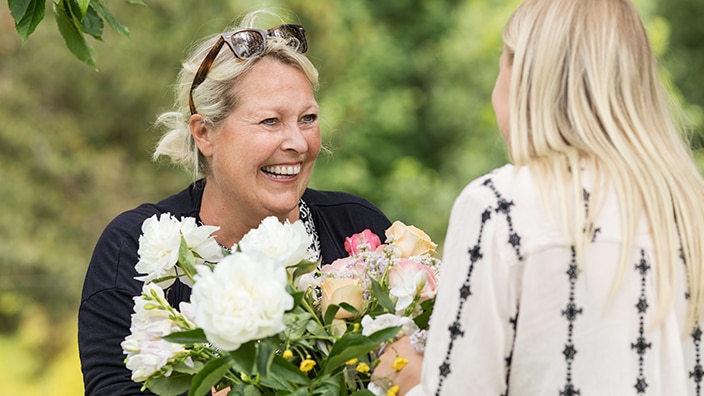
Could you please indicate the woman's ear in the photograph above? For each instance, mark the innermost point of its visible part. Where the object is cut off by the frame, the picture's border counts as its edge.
(201, 134)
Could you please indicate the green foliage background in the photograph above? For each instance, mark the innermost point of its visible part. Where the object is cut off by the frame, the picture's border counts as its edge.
(405, 111)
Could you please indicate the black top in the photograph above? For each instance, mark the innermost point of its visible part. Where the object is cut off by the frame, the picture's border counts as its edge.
(107, 302)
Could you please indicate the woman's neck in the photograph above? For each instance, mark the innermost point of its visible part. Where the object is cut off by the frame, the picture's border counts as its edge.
(234, 222)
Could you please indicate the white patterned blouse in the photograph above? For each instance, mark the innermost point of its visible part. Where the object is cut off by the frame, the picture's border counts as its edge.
(515, 315)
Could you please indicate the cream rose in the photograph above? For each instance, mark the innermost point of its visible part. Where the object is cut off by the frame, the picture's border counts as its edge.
(341, 290)
(411, 241)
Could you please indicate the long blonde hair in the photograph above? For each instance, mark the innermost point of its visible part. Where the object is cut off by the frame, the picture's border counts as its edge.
(216, 97)
(585, 89)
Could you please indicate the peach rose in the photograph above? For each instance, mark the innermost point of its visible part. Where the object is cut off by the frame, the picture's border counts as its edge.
(341, 290)
(410, 240)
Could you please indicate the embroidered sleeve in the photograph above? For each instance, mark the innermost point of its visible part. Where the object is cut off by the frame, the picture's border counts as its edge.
(473, 328)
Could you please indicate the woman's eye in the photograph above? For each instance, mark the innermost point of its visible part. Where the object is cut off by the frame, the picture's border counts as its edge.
(269, 121)
(310, 118)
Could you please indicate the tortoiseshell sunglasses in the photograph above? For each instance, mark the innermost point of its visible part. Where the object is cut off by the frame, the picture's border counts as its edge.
(247, 43)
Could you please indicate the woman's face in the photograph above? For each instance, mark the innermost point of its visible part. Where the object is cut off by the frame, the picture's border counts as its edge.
(263, 154)
(499, 97)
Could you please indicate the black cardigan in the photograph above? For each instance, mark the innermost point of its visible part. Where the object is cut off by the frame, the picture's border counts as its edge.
(107, 301)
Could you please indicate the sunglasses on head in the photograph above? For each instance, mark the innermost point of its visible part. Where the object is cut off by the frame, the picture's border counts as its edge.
(247, 43)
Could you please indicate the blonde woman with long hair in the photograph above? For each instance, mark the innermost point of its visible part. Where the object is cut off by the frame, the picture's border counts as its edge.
(577, 270)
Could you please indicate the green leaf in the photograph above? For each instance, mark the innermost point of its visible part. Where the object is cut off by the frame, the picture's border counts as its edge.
(330, 313)
(296, 323)
(382, 297)
(175, 384)
(186, 369)
(244, 390)
(299, 392)
(27, 15)
(384, 334)
(349, 308)
(423, 319)
(284, 372)
(110, 19)
(304, 267)
(18, 8)
(297, 297)
(136, 2)
(363, 392)
(186, 259)
(353, 345)
(265, 355)
(187, 337)
(73, 10)
(316, 329)
(244, 357)
(210, 375)
(93, 24)
(75, 41)
(83, 6)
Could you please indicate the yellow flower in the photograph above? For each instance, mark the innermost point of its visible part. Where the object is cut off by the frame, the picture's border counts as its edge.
(363, 368)
(352, 361)
(399, 363)
(307, 365)
(393, 391)
(287, 354)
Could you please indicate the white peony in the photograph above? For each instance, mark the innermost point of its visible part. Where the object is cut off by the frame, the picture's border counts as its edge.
(158, 249)
(199, 239)
(287, 243)
(372, 325)
(147, 352)
(243, 298)
(160, 242)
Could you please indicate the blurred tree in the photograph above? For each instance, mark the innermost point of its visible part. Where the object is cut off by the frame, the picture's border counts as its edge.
(685, 58)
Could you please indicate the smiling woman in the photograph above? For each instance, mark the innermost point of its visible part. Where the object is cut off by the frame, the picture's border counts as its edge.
(246, 125)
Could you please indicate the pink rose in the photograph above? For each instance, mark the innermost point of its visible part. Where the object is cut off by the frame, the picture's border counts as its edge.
(347, 267)
(363, 241)
(409, 279)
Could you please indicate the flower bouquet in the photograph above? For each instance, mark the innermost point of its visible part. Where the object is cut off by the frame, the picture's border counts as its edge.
(265, 320)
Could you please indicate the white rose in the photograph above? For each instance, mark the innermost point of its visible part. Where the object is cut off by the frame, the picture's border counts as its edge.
(372, 325)
(158, 249)
(243, 298)
(287, 243)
